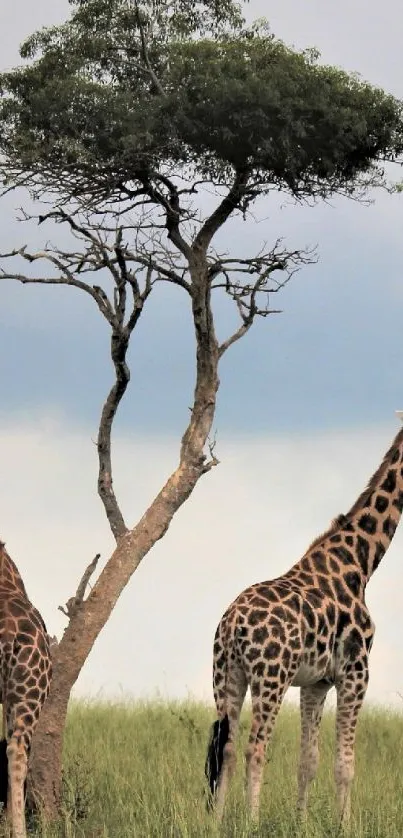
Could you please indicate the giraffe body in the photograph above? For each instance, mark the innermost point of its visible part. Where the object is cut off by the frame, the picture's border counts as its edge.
(309, 628)
(25, 674)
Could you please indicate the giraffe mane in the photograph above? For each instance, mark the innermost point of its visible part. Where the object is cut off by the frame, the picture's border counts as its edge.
(362, 500)
(334, 526)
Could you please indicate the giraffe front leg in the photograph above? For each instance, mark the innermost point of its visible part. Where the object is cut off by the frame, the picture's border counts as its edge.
(17, 772)
(312, 701)
(350, 696)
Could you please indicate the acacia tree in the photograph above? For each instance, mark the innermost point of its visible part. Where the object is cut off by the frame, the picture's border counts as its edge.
(122, 116)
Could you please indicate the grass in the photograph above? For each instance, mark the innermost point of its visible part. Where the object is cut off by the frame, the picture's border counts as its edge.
(136, 771)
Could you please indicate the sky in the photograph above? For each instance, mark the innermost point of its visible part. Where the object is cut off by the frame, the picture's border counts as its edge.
(306, 408)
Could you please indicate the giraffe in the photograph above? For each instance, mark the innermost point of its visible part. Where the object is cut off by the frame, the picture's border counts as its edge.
(309, 628)
(25, 674)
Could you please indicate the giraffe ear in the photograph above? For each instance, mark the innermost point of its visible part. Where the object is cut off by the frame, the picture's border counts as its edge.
(399, 414)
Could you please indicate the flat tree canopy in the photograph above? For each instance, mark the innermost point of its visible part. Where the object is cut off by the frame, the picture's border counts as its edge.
(125, 92)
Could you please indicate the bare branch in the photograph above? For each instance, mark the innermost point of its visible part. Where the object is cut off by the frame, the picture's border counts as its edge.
(164, 273)
(102, 254)
(109, 410)
(90, 262)
(119, 345)
(60, 280)
(214, 461)
(248, 295)
(75, 602)
(222, 212)
(237, 335)
(170, 204)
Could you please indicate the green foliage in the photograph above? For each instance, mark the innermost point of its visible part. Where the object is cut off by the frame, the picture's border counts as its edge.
(255, 103)
(132, 771)
(204, 97)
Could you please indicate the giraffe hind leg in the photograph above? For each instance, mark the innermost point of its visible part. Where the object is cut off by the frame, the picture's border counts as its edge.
(312, 701)
(267, 695)
(17, 772)
(221, 757)
(350, 696)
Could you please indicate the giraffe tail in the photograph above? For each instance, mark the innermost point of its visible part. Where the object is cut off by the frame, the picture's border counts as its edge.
(215, 754)
(220, 730)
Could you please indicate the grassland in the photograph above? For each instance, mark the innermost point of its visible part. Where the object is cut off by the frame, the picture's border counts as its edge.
(136, 771)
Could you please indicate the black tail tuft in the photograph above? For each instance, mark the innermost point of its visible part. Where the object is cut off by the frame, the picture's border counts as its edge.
(3, 772)
(215, 754)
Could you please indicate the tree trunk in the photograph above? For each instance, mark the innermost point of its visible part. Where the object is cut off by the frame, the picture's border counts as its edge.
(89, 617)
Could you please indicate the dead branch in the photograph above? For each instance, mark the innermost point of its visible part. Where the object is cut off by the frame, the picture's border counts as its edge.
(253, 298)
(214, 461)
(113, 257)
(230, 203)
(75, 602)
(119, 345)
(237, 335)
(66, 277)
(147, 251)
(174, 212)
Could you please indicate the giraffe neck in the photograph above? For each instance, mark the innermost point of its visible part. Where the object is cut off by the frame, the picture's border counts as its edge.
(375, 515)
(10, 579)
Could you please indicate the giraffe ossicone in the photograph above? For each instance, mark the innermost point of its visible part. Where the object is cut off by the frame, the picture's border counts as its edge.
(309, 628)
(26, 671)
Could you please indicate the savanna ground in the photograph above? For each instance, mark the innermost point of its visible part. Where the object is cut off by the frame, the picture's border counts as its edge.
(136, 771)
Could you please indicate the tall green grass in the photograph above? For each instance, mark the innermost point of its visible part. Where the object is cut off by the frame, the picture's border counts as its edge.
(136, 771)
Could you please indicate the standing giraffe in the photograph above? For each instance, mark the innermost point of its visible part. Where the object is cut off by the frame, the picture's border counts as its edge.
(25, 675)
(309, 628)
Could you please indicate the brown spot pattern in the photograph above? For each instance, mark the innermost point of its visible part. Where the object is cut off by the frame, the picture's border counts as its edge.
(309, 628)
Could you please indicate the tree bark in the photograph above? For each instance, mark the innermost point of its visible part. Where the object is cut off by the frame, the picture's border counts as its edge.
(89, 616)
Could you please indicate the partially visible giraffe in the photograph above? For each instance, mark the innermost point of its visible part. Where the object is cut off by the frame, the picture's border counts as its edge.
(25, 674)
(309, 628)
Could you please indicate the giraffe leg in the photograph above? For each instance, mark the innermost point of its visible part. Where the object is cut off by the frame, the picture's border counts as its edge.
(17, 772)
(235, 695)
(266, 703)
(350, 696)
(312, 701)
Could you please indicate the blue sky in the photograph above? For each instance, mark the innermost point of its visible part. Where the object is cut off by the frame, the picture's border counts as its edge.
(305, 407)
(332, 358)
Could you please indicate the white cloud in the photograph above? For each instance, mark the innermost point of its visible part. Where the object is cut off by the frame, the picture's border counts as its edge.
(249, 520)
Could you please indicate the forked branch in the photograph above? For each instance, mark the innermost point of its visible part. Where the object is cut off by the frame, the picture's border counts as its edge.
(99, 254)
(251, 282)
(75, 602)
(232, 201)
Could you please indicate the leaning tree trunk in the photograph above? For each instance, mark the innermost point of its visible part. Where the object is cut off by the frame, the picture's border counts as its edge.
(87, 618)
